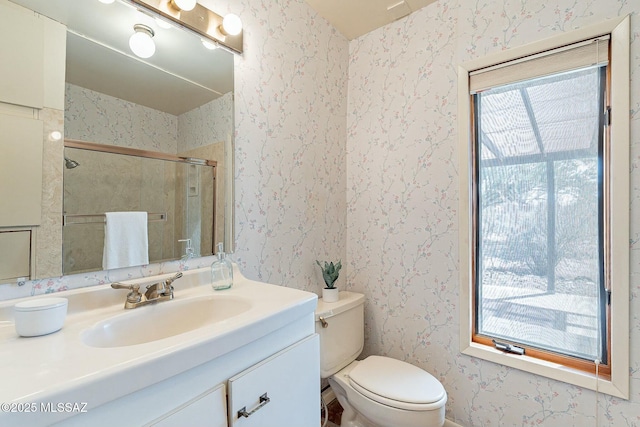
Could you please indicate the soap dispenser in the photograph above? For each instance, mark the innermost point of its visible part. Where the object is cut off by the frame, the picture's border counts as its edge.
(221, 271)
(188, 252)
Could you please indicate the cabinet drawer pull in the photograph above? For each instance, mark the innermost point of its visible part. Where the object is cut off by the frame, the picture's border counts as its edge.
(264, 399)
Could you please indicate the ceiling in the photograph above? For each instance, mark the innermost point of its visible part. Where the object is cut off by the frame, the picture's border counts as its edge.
(354, 18)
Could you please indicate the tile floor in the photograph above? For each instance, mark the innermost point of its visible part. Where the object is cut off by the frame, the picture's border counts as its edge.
(335, 413)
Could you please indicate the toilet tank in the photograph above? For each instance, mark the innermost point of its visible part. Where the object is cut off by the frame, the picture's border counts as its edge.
(342, 336)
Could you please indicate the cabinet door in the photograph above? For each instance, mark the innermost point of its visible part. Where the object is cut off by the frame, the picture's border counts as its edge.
(283, 390)
(15, 247)
(207, 410)
(21, 56)
(21, 141)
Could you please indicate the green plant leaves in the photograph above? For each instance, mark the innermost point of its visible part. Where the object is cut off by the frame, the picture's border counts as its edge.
(330, 272)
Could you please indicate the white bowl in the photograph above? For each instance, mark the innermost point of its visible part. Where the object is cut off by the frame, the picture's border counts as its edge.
(40, 316)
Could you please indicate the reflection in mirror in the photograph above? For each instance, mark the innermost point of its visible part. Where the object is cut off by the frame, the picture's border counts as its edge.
(178, 102)
(178, 196)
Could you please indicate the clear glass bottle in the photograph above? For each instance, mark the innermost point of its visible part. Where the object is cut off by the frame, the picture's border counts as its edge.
(188, 251)
(221, 271)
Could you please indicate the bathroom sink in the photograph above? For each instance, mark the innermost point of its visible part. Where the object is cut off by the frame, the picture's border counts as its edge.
(105, 354)
(163, 320)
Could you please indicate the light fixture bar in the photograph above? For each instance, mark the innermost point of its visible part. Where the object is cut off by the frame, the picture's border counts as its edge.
(200, 20)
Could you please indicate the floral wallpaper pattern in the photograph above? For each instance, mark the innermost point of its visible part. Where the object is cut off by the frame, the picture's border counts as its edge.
(402, 201)
(290, 171)
(205, 125)
(347, 150)
(95, 117)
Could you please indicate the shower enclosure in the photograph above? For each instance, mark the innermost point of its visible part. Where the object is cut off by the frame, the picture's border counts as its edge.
(179, 195)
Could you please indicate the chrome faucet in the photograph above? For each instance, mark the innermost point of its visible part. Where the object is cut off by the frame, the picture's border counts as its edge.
(161, 291)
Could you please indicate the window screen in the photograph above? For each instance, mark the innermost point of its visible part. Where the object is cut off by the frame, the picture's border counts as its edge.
(539, 212)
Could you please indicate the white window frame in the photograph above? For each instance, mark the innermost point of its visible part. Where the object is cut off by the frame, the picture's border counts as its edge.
(618, 384)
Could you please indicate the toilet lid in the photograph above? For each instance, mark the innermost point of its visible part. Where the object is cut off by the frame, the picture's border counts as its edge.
(396, 383)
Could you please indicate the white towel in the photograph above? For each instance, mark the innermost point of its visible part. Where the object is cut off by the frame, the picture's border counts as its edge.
(126, 241)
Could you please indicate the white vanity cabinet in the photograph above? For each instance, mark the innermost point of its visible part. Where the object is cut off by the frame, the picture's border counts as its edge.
(197, 375)
(207, 410)
(284, 365)
(279, 391)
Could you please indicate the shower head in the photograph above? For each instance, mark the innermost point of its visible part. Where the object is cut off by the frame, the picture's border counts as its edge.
(70, 164)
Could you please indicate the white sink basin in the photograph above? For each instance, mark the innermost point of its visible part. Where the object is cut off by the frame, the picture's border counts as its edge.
(164, 319)
(104, 352)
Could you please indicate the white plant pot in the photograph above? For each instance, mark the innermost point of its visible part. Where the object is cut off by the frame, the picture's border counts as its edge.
(330, 294)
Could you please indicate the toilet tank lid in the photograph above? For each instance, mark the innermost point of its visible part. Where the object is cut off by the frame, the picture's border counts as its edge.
(395, 380)
(346, 301)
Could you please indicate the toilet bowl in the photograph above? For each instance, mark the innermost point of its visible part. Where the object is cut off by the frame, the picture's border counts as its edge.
(377, 391)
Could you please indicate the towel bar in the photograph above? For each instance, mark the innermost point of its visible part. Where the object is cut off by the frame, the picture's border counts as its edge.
(73, 219)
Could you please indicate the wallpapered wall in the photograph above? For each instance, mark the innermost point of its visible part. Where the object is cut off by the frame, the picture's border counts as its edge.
(95, 117)
(291, 109)
(392, 219)
(402, 201)
(401, 183)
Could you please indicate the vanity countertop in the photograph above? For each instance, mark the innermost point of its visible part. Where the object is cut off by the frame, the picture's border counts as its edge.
(61, 368)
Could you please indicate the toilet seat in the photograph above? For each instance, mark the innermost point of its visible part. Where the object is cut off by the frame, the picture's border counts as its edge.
(397, 384)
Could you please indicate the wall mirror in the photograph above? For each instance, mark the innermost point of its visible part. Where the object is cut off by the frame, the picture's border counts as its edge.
(178, 102)
(179, 196)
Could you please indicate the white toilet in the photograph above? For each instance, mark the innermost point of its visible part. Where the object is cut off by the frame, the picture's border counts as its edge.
(377, 391)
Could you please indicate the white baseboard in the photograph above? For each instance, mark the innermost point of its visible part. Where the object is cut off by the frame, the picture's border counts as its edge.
(448, 423)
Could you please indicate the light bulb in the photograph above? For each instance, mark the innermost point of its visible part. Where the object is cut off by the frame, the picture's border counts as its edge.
(185, 5)
(209, 45)
(141, 42)
(231, 25)
(55, 135)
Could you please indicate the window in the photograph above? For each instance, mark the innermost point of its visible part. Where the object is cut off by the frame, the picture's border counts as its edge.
(544, 208)
(539, 258)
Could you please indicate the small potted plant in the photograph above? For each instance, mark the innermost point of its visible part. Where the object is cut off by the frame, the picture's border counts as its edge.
(330, 273)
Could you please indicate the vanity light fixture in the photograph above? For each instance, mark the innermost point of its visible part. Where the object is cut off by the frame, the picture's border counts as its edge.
(231, 25)
(141, 42)
(163, 23)
(225, 33)
(185, 5)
